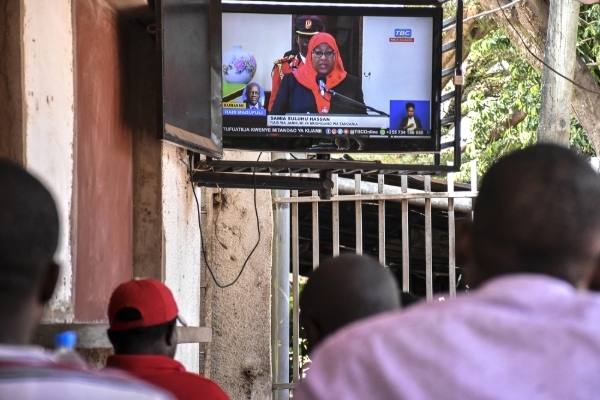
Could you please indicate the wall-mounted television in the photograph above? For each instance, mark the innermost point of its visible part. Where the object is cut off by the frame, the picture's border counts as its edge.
(391, 57)
(189, 49)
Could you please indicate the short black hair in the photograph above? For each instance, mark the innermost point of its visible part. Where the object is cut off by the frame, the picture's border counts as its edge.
(134, 340)
(29, 229)
(537, 212)
(348, 288)
(410, 105)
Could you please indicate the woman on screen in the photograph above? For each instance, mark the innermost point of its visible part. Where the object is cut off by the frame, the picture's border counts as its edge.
(300, 92)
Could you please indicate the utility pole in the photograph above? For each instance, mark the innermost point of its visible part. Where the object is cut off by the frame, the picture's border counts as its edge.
(559, 54)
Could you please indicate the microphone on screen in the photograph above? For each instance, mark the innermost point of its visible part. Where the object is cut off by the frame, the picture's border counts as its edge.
(321, 79)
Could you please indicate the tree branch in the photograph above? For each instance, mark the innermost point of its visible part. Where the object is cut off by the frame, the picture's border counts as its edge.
(531, 19)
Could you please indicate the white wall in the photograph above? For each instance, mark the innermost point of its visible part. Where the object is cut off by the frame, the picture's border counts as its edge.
(398, 70)
(181, 245)
(239, 357)
(266, 37)
(49, 121)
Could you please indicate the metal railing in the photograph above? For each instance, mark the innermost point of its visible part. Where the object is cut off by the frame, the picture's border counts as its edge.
(359, 193)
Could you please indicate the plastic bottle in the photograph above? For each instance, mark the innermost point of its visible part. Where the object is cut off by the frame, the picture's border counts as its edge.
(64, 348)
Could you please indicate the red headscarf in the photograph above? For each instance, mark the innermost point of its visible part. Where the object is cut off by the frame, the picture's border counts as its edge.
(307, 75)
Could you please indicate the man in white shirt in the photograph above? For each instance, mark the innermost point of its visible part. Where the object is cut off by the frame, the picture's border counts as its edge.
(28, 276)
(529, 330)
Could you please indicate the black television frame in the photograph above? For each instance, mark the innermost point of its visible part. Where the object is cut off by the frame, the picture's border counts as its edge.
(298, 143)
(212, 172)
(189, 82)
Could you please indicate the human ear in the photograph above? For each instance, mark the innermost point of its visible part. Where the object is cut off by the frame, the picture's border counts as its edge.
(48, 281)
(464, 251)
(171, 337)
(594, 281)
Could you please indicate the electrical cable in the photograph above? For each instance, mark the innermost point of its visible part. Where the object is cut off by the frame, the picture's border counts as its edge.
(537, 58)
(202, 235)
(480, 15)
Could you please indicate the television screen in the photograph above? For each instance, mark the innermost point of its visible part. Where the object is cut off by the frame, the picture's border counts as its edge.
(332, 78)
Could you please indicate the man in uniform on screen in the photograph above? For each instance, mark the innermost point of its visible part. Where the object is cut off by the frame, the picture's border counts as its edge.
(305, 27)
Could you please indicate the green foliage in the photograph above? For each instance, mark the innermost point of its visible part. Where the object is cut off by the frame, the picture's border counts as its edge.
(500, 82)
(588, 46)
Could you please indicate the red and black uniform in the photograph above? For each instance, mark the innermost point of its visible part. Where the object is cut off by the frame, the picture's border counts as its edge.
(290, 62)
(305, 27)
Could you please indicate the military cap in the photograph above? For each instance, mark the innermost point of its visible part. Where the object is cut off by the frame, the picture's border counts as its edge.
(309, 25)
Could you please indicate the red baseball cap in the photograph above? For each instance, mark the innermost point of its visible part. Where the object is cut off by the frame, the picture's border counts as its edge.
(153, 300)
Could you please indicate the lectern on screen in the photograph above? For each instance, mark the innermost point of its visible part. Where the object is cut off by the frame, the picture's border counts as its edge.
(394, 53)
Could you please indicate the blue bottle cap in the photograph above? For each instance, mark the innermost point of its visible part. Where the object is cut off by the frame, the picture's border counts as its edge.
(65, 339)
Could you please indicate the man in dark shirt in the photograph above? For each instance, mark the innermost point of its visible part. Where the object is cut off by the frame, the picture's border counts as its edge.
(253, 96)
(410, 122)
(142, 315)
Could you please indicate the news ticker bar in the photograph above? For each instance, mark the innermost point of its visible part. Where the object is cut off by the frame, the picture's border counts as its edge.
(320, 132)
(323, 121)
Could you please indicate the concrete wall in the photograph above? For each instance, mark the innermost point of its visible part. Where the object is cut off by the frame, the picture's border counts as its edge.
(48, 121)
(181, 244)
(104, 159)
(240, 356)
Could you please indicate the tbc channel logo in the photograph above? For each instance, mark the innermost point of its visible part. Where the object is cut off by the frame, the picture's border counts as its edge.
(402, 35)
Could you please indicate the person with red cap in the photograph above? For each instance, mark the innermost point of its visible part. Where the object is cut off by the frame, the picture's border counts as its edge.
(142, 315)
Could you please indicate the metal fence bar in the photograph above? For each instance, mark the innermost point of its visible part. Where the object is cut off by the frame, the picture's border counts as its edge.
(404, 197)
(381, 212)
(315, 231)
(280, 294)
(451, 237)
(473, 166)
(428, 241)
(283, 386)
(335, 217)
(295, 292)
(376, 197)
(405, 239)
(358, 215)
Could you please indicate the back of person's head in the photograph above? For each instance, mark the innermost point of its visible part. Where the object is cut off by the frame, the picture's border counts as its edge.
(537, 212)
(142, 316)
(28, 240)
(342, 290)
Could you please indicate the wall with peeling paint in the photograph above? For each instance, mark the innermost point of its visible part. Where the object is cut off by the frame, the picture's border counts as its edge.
(239, 357)
(48, 122)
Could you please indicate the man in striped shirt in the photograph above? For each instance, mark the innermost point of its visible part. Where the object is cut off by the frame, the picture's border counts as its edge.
(28, 275)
